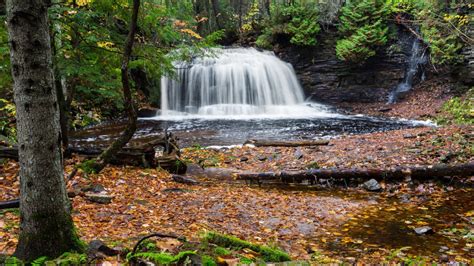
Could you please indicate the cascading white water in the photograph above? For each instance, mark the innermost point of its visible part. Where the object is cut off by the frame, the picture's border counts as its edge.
(235, 82)
(417, 59)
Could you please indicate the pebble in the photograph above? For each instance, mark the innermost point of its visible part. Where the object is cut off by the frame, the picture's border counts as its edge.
(424, 230)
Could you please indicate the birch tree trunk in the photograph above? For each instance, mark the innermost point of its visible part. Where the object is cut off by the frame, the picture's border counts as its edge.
(46, 227)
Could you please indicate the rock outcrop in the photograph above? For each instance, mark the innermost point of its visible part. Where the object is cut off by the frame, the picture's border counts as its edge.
(327, 79)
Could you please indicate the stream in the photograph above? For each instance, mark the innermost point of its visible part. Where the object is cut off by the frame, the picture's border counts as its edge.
(232, 97)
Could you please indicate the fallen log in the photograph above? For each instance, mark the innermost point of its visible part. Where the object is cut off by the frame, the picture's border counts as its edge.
(292, 143)
(142, 154)
(144, 157)
(397, 173)
(10, 204)
(9, 153)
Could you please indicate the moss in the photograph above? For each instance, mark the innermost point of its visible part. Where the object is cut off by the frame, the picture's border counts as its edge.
(45, 243)
(313, 165)
(268, 254)
(458, 110)
(246, 261)
(14, 211)
(208, 261)
(88, 166)
(221, 251)
(161, 258)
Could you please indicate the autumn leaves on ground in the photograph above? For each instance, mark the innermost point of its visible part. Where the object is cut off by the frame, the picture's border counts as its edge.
(320, 224)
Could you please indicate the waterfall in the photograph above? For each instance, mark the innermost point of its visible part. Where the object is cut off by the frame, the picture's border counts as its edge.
(234, 82)
(417, 59)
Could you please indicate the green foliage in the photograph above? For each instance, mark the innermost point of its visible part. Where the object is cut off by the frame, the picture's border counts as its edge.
(221, 251)
(88, 166)
(364, 27)
(161, 258)
(208, 261)
(5, 72)
(7, 120)
(39, 261)
(458, 110)
(11, 261)
(297, 21)
(268, 254)
(313, 165)
(443, 27)
(67, 258)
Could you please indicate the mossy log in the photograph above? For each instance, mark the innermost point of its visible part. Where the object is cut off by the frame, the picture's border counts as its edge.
(397, 173)
(290, 143)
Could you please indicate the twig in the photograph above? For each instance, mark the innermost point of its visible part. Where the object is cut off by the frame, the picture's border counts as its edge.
(72, 174)
(160, 235)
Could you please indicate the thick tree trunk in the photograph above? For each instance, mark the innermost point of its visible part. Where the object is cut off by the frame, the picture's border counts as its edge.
(415, 172)
(46, 226)
(108, 155)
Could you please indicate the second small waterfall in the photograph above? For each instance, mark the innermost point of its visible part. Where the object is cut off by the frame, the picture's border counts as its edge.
(235, 82)
(417, 60)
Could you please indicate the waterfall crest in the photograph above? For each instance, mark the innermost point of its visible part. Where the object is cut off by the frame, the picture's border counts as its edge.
(233, 82)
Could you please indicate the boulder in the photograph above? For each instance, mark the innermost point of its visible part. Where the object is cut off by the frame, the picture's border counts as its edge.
(372, 185)
(101, 198)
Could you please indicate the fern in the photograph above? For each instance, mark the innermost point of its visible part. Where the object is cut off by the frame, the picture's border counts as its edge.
(364, 28)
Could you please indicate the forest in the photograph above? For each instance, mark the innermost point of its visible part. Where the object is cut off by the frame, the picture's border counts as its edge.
(236, 132)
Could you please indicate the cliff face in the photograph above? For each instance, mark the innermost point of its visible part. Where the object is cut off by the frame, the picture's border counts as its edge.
(327, 79)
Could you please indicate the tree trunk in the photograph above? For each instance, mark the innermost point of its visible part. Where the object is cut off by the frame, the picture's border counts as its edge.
(217, 13)
(61, 83)
(46, 227)
(108, 155)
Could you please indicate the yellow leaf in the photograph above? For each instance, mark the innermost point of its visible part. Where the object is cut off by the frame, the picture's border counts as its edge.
(191, 33)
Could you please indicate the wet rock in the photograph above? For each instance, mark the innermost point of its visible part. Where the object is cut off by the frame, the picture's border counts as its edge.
(384, 110)
(298, 154)
(443, 249)
(444, 258)
(262, 158)
(95, 188)
(184, 179)
(101, 198)
(372, 185)
(424, 230)
(405, 198)
(174, 190)
(409, 136)
(147, 112)
(98, 248)
(244, 159)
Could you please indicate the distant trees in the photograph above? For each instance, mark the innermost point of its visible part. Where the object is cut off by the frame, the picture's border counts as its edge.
(364, 27)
